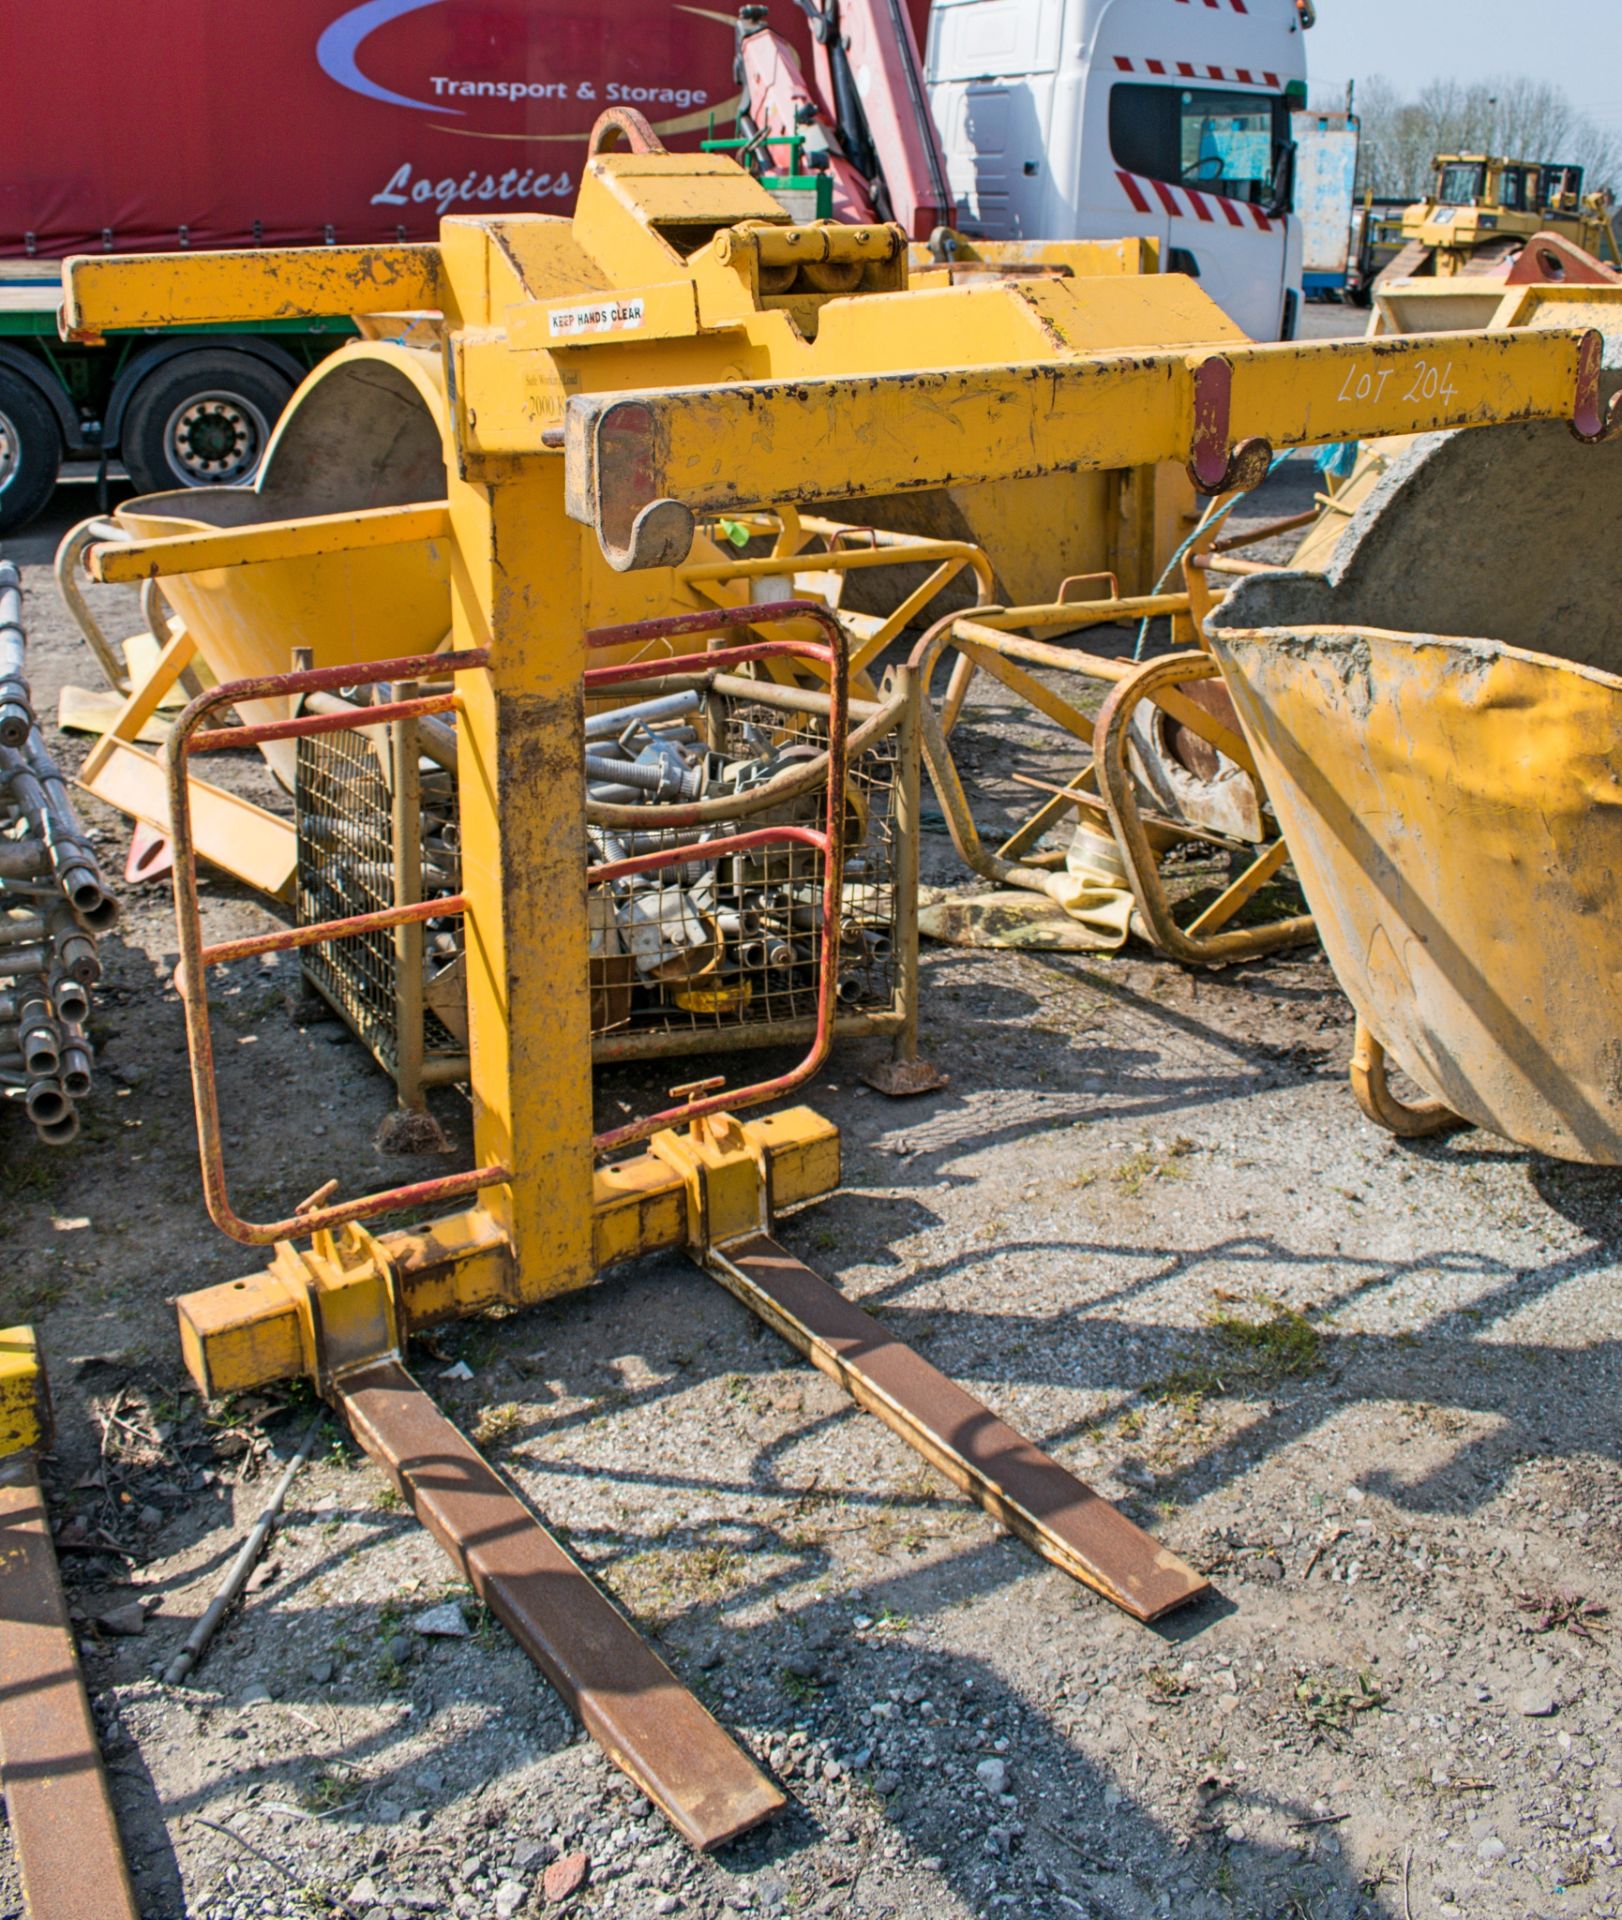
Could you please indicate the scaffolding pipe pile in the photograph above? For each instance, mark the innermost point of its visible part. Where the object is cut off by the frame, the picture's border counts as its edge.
(54, 903)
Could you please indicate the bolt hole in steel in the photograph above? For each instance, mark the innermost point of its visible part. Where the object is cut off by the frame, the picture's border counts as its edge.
(214, 439)
(10, 450)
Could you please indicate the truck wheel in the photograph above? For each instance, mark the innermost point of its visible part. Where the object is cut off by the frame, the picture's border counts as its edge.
(201, 420)
(30, 451)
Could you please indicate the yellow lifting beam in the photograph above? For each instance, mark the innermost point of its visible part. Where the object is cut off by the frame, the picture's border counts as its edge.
(719, 448)
(259, 283)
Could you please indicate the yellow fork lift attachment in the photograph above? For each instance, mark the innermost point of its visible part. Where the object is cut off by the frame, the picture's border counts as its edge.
(708, 373)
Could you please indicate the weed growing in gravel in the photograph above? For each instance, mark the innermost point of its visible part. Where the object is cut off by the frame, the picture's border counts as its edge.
(1284, 1346)
(1184, 1387)
(391, 1667)
(21, 1175)
(323, 1791)
(1139, 1170)
(391, 1673)
(1183, 1394)
(800, 1687)
(1554, 1609)
(497, 1426)
(1577, 1871)
(708, 1572)
(1381, 1870)
(33, 1302)
(1164, 1686)
(749, 1392)
(388, 1499)
(1331, 1704)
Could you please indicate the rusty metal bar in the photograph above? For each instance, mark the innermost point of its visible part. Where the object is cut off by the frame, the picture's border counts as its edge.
(1223, 563)
(757, 1036)
(305, 726)
(1268, 530)
(904, 1074)
(1192, 945)
(318, 932)
(906, 826)
(678, 856)
(50, 1765)
(644, 1719)
(405, 833)
(1017, 1484)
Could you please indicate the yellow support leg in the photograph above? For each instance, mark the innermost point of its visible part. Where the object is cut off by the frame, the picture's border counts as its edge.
(25, 1401)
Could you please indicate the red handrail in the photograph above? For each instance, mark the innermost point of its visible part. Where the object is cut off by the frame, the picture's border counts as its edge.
(191, 977)
(196, 957)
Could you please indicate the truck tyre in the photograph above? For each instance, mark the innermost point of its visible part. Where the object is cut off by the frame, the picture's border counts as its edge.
(30, 451)
(201, 420)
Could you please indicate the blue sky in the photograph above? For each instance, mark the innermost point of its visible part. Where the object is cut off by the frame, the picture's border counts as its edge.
(1576, 43)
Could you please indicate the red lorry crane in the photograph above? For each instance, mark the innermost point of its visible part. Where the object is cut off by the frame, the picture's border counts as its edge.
(867, 120)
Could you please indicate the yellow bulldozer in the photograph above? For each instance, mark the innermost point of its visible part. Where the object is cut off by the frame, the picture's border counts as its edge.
(1482, 209)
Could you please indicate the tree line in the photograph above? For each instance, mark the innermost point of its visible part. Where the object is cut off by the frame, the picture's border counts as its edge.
(1518, 118)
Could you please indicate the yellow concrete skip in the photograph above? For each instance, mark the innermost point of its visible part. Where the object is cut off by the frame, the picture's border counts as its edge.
(132, 560)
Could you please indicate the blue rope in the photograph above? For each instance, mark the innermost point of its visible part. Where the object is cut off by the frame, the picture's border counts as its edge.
(1208, 519)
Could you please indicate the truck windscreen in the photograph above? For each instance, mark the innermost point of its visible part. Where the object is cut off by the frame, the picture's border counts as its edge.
(1226, 142)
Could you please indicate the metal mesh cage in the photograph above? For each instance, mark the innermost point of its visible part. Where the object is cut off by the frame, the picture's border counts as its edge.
(706, 955)
(712, 947)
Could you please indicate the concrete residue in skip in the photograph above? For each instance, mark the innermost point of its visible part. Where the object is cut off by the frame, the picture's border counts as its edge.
(1341, 654)
(1492, 537)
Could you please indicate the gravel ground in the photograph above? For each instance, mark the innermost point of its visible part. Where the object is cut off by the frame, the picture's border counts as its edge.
(1369, 1388)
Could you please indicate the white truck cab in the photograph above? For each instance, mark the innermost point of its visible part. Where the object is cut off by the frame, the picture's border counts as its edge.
(1088, 119)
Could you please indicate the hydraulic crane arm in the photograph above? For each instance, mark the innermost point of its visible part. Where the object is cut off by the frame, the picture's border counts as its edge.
(867, 111)
(781, 105)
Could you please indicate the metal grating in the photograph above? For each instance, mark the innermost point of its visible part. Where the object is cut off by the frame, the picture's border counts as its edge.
(714, 946)
(680, 960)
(345, 840)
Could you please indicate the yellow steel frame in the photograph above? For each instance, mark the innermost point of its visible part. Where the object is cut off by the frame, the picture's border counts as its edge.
(263, 1328)
(680, 348)
(713, 380)
(727, 580)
